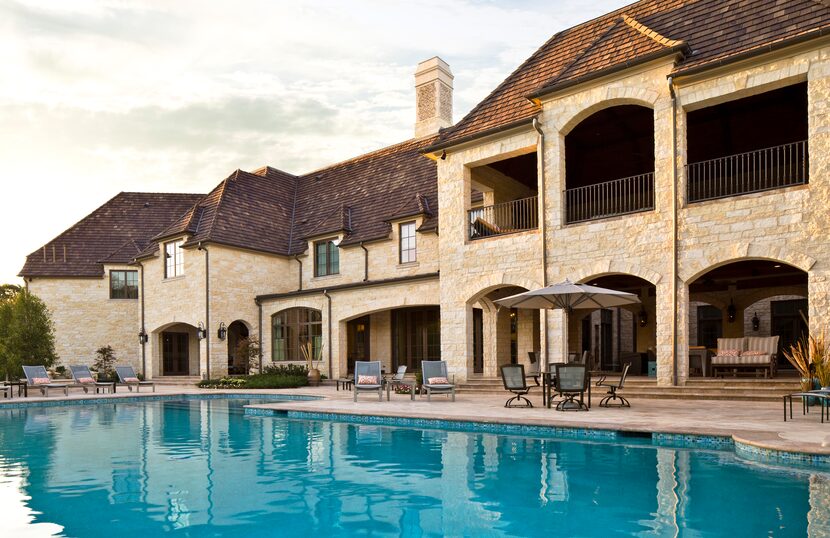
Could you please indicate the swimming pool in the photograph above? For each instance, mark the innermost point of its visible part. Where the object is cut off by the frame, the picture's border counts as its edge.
(203, 468)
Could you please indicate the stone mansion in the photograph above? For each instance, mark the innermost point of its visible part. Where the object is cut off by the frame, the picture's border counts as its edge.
(676, 149)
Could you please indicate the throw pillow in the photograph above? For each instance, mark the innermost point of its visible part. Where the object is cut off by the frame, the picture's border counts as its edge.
(753, 353)
(438, 381)
(367, 380)
(131, 380)
(85, 380)
(41, 381)
(729, 352)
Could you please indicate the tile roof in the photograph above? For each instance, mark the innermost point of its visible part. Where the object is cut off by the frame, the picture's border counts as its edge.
(709, 32)
(114, 233)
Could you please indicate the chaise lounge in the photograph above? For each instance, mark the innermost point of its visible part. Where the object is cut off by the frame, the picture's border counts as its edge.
(37, 377)
(128, 377)
(435, 379)
(83, 378)
(368, 378)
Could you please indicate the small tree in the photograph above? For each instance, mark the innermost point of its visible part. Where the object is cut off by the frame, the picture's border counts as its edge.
(248, 349)
(27, 334)
(8, 291)
(104, 363)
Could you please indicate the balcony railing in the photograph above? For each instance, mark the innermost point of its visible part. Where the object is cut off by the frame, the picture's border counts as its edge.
(753, 171)
(505, 218)
(609, 199)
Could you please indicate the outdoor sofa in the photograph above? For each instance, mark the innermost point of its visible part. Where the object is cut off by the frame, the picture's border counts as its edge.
(754, 353)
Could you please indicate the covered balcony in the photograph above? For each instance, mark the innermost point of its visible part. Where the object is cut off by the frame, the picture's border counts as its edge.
(504, 198)
(754, 144)
(609, 164)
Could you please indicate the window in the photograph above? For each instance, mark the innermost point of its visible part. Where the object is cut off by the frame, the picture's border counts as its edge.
(409, 252)
(326, 258)
(292, 328)
(123, 284)
(174, 259)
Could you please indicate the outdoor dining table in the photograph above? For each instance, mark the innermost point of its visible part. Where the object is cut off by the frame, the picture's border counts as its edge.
(547, 385)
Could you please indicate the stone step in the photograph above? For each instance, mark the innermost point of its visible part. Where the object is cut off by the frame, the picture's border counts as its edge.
(177, 380)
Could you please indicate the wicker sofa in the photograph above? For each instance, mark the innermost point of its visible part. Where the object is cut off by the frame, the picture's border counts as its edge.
(756, 354)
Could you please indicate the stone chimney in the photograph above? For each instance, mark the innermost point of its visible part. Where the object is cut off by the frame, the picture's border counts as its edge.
(433, 97)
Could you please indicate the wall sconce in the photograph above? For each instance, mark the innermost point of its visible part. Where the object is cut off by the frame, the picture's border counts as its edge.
(642, 317)
(223, 331)
(201, 333)
(756, 323)
(731, 312)
(143, 337)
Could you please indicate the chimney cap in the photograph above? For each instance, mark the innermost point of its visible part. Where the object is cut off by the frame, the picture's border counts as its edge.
(431, 69)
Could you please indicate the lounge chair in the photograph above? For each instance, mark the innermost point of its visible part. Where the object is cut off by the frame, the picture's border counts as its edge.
(400, 380)
(368, 377)
(83, 377)
(571, 382)
(535, 370)
(435, 379)
(613, 388)
(127, 376)
(513, 377)
(36, 376)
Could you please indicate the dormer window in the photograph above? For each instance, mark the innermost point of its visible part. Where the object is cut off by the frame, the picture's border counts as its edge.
(326, 258)
(173, 259)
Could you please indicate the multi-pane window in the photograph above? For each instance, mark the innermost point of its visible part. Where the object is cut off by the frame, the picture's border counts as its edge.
(326, 258)
(123, 284)
(174, 259)
(291, 329)
(408, 249)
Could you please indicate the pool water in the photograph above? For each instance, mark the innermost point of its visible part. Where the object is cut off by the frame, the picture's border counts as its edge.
(203, 468)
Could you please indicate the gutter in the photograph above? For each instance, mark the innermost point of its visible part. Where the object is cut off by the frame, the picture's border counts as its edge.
(328, 318)
(259, 305)
(674, 194)
(300, 279)
(143, 343)
(544, 223)
(342, 287)
(199, 246)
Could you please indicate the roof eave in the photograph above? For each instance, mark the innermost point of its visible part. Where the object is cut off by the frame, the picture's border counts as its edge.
(482, 134)
(678, 51)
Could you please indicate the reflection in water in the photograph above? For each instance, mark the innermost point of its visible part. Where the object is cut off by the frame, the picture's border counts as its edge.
(202, 468)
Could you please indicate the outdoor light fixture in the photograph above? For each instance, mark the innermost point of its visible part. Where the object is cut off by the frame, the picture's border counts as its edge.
(143, 337)
(756, 323)
(201, 333)
(223, 331)
(731, 311)
(642, 317)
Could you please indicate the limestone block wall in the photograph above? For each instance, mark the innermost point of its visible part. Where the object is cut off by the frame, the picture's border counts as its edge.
(86, 318)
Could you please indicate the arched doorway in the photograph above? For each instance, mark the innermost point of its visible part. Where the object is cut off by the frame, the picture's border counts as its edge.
(176, 350)
(237, 332)
(611, 337)
(757, 298)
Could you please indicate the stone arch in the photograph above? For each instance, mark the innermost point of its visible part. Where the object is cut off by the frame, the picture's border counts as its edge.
(612, 97)
(493, 282)
(743, 252)
(616, 267)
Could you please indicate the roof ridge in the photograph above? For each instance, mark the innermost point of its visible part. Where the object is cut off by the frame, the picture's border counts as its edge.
(367, 155)
(584, 53)
(651, 34)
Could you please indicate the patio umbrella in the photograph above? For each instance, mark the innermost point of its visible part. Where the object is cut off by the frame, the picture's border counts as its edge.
(569, 296)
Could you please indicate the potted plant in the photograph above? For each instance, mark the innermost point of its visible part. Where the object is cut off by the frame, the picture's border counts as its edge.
(312, 357)
(104, 364)
(820, 355)
(809, 355)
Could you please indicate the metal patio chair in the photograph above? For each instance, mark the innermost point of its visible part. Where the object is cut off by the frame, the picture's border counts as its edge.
(368, 376)
(613, 388)
(513, 377)
(571, 382)
(435, 379)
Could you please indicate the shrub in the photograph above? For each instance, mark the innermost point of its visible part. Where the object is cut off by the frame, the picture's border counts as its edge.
(248, 349)
(104, 364)
(285, 370)
(257, 381)
(27, 334)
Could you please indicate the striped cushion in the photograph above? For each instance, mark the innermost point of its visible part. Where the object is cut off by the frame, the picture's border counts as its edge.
(743, 359)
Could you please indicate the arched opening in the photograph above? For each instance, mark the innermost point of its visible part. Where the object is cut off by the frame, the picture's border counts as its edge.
(609, 164)
(611, 337)
(291, 329)
(760, 302)
(502, 335)
(237, 332)
(176, 350)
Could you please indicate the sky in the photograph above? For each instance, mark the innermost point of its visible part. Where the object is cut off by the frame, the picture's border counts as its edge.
(99, 97)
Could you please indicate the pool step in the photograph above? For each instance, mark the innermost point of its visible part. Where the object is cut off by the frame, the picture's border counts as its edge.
(744, 389)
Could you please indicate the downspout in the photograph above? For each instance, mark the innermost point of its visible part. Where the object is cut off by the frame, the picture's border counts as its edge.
(544, 227)
(328, 317)
(365, 262)
(674, 194)
(143, 343)
(259, 304)
(207, 307)
(300, 282)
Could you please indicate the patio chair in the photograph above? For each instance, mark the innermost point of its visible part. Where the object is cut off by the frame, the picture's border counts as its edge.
(36, 376)
(368, 377)
(6, 390)
(127, 376)
(535, 370)
(613, 388)
(513, 377)
(435, 379)
(571, 382)
(83, 378)
(399, 380)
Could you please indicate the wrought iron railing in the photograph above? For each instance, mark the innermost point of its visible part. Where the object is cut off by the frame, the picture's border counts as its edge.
(609, 199)
(505, 218)
(753, 171)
